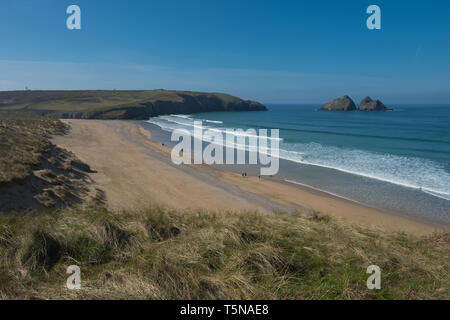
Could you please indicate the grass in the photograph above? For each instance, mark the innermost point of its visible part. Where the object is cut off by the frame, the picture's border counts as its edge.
(79, 100)
(24, 140)
(34, 173)
(162, 254)
(118, 104)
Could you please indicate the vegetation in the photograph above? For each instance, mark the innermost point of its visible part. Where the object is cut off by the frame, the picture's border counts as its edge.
(163, 254)
(120, 104)
(23, 143)
(35, 174)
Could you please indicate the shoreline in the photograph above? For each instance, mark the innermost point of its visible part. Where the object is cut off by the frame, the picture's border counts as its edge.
(135, 172)
(374, 193)
(313, 190)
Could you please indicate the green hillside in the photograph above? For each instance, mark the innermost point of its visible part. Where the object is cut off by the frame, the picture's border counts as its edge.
(114, 104)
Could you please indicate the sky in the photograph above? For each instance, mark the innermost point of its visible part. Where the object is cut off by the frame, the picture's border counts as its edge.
(270, 51)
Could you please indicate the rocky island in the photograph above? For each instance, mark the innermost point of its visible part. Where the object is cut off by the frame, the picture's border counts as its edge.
(367, 104)
(344, 103)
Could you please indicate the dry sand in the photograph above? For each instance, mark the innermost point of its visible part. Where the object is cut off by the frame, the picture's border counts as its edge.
(136, 172)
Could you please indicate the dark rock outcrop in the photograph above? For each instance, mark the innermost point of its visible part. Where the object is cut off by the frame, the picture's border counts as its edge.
(365, 101)
(344, 103)
(367, 104)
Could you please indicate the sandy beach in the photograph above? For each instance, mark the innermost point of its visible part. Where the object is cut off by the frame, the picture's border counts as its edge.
(136, 172)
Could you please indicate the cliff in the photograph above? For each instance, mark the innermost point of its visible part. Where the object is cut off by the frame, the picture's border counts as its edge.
(138, 105)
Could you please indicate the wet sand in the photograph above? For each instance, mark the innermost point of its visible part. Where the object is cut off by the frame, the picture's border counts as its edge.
(136, 172)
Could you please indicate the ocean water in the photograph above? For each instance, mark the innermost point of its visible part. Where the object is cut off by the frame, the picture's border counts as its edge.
(397, 161)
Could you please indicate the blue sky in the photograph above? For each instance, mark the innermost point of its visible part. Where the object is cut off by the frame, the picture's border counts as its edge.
(270, 51)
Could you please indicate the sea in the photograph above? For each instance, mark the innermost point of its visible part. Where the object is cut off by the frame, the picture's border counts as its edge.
(396, 161)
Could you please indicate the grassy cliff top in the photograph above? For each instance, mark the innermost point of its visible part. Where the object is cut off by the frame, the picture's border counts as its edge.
(80, 100)
(115, 103)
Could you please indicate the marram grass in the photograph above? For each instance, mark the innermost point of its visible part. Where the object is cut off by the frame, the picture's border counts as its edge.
(162, 254)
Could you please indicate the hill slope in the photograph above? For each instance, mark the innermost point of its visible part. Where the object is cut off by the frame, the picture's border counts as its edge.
(34, 173)
(137, 105)
(156, 253)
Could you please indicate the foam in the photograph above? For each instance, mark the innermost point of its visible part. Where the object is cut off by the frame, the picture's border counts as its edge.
(412, 172)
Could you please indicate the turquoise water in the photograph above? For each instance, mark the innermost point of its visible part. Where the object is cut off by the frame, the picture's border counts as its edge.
(397, 160)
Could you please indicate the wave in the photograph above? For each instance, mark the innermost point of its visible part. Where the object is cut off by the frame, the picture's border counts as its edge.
(416, 173)
(321, 190)
(169, 123)
(437, 194)
(185, 116)
(412, 172)
(360, 135)
(242, 134)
